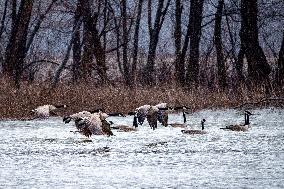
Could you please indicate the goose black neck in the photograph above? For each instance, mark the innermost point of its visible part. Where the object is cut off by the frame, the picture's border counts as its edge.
(59, 106)
(202, 123)
(115, 114)
(247, 119)
(184, 117)
(135, 122)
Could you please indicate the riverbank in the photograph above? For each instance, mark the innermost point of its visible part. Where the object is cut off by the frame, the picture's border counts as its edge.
(17, 104)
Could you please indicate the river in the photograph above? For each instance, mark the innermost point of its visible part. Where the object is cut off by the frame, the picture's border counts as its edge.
(45, 154)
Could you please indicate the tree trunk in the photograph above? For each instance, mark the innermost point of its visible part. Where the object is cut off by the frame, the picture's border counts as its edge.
(196, 11)
(38, 24)
(154, 32)
(258, 68)
(3, 19)
(280, 69)
(136, 41)
(61, 67)
(219, 46)
(240, 65)
(126, 66)
(77, 46)
(91, 27)
(16, 48)
(180, 57)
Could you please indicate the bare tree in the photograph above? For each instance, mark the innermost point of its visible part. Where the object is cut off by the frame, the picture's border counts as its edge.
(258, 68)
(280, 68)
(38, 24)
(154, 31)
(136, 40)
(125, 61)
(90, 22)
(16, 48)
(3, 19)
(76, 66)
(61, 67)
(219, 45)
(180, 53)
(196, 12)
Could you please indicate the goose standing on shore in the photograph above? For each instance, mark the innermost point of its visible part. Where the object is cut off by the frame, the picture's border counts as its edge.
(45, 111)
(240, 127)
(194, 131)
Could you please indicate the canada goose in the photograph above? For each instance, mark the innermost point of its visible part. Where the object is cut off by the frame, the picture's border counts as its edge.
(123, 128)
(163, 117)
(141, 113)
(182, 125)
(161, 105)
(240, 127)
(90, 124)
(47, 110)
(152, 117)
(193, 131)
(163, 114)
(152, 113)
(76, 117)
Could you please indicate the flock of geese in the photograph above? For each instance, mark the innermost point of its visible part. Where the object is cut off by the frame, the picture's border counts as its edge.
(94, 122)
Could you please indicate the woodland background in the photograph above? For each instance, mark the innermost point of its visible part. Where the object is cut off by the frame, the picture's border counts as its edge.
(199, 52)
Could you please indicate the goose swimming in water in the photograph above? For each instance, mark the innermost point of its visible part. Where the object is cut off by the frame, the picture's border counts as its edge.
(182, 125)
(122, 128)
(45, 111)
(240, 127)
(193, 131)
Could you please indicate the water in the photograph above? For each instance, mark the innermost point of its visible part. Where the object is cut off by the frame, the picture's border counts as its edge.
(45, 154)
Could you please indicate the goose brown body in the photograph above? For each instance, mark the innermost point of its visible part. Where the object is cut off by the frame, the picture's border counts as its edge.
(90, 124)
(240, 127)
(46, 111)
(124, 128)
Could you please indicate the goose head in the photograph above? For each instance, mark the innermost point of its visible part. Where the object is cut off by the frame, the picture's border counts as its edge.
(97, 110)
(202, 123)
(67, 119)
(61, 106)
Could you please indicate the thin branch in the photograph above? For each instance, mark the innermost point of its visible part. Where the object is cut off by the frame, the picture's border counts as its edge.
(39, 61)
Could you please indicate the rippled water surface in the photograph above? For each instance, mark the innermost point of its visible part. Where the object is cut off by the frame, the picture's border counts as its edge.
(45, 154)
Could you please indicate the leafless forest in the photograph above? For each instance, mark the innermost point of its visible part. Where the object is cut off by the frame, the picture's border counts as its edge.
(219, 45)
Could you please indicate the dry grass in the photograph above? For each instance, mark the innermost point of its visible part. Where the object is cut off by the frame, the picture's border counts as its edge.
(18, 103)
